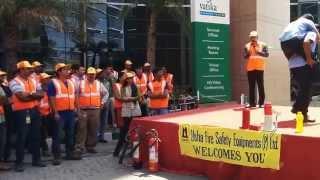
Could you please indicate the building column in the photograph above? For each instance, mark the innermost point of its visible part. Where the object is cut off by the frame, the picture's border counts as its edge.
(269, 25)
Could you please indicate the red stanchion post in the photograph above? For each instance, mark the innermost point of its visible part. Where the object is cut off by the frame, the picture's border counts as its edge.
(245, 118)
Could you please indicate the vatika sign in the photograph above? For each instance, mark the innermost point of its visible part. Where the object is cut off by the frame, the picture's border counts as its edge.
(211, 49)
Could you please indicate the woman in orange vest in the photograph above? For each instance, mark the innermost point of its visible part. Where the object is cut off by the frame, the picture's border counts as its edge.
(45, 113)
(255, 52)
(61, 93)
(130, 108)
(24, 101)
(141, 82)
(159, 95)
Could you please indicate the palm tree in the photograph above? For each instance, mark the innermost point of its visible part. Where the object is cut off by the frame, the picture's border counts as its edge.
(18, 15)
(154, 8)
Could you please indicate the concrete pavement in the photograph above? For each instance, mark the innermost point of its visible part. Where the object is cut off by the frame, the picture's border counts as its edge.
(101, 166)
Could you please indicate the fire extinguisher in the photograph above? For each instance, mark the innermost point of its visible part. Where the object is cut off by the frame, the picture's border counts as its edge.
(153, 144)
(136, 158)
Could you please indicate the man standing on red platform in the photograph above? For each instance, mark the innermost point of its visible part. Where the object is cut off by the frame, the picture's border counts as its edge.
(255, 52)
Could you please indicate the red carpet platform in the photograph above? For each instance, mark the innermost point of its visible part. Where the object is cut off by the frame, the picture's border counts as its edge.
(299, 157)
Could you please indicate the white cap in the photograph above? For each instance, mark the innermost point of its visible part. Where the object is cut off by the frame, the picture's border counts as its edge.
(253, 34)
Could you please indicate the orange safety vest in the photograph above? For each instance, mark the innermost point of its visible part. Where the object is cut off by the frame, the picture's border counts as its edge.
(169, 79)
(89, 95)
(44, 107)
(141, 83)
(117, 103)
(29, 86)
(255, 61)
(65, 95)
(157, 87)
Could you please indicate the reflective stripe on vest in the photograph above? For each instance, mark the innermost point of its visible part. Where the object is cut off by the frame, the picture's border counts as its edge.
(117, 103)
(255, 62)
(157, 88)
(28, 86)
(141, 83)
(65, 95)
(44, 107)
(89, 96)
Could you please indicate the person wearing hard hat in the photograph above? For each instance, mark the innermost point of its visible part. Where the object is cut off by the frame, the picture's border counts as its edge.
(128, 67)
(255, 52)
(26, 94)
(147, 70)
(45, 113)
(89, 103)
(62, 101)
(3, 127)
(130, 108)
(37, 69)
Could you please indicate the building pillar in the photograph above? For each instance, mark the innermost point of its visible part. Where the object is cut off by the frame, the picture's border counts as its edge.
(269, 20)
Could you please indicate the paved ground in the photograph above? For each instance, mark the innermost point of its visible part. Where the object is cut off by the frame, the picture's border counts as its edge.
(102, 166)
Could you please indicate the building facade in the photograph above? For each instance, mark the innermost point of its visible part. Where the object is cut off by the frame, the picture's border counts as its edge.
(112, 38)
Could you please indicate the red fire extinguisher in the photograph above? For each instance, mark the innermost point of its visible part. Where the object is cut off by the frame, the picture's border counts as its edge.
(136, 157)
(153, 144)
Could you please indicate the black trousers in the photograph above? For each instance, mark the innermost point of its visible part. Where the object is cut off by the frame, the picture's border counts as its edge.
(123, 134)
(256, 78)
(293, 46)
(22, 128)
(2, 140)
(302, 77)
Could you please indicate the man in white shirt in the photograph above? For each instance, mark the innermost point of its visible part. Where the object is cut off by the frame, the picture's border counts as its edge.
(293, 35)
(301, 70)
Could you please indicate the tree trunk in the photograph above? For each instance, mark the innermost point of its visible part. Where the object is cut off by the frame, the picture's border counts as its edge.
(10, 48)
(152, 39)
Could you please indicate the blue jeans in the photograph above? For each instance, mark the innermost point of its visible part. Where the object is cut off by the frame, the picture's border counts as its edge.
(105, 113)
(66, 123)
(162, 111)
(22, 128)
